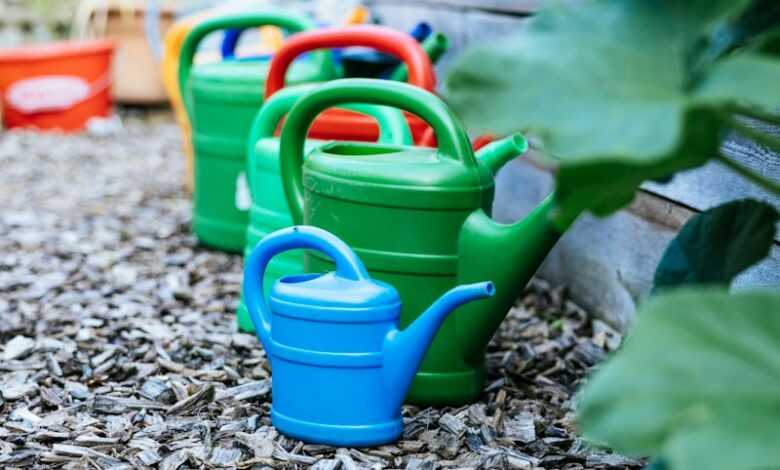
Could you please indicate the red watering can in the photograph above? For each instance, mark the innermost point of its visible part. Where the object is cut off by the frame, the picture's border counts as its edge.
(337, 124)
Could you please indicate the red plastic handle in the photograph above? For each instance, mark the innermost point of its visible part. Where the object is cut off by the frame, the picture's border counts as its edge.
(380, 38)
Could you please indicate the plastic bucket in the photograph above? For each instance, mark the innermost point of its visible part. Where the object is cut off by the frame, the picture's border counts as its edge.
(56, 85)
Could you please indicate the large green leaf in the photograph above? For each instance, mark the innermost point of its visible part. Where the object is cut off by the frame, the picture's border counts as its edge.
(716, 245)
(697, 383)
(741, 78)
(609, 87)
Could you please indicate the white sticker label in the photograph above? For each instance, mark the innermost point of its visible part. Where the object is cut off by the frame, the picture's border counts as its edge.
(243, 197)
(47, 93)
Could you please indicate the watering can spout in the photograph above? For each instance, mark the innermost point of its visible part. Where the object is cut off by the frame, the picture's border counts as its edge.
(404, 350)
(523, 246)
(496, 154)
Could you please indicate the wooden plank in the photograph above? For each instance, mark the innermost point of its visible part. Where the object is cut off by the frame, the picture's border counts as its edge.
(405, 16)
(463, 28)
(715, 184)
(608, 263)
(482, 27)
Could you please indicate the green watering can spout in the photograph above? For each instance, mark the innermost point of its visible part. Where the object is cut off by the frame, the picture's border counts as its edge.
(499, 153)
(522, 245)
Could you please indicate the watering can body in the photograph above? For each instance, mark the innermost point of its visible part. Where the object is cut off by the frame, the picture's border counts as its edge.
(269, 211)
(419, 219)
(340, 364)
(221, 101)
(339, 124)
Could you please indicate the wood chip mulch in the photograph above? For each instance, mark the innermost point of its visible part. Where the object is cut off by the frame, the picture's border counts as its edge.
(118, 347)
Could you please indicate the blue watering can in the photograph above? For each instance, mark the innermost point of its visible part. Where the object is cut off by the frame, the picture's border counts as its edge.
(341, 366)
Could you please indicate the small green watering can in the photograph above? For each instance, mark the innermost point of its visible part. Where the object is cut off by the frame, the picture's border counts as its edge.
(221, 100)
(419, 219)
(269, 211)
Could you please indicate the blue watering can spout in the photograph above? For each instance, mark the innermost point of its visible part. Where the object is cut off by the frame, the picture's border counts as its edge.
(404, 350)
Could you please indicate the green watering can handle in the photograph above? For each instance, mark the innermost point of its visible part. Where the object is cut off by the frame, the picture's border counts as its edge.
(393, 127)
(240, 20)
(452, 138)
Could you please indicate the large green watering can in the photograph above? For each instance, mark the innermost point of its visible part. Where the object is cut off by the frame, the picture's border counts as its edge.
(221, 100)
(419, 219)
(269, 211)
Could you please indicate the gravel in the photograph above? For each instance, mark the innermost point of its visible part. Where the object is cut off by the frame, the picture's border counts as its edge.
(118, 347)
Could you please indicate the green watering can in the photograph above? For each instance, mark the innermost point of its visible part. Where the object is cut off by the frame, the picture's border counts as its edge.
(221, 100)
(269, 211)
(419, 219)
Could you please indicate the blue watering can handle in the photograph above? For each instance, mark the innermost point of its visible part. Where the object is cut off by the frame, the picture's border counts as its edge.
(348, 265)
(229, 42)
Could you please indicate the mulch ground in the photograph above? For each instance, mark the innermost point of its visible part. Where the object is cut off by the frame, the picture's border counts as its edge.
(118, 347)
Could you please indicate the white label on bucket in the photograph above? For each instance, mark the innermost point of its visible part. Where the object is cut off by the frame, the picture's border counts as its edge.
(243, 197)
(47, 93)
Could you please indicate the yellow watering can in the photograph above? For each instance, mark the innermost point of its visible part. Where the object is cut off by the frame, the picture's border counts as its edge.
(270, 36)
(174, 39)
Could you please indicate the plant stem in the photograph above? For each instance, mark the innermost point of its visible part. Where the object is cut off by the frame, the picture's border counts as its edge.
(756, 113)
(747, 173)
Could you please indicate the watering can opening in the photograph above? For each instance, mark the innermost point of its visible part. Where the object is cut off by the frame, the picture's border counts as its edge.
(358, 149)
(490, 289)
(299, 278)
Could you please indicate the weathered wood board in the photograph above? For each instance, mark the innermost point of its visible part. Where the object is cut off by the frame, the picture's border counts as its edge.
(608, 263)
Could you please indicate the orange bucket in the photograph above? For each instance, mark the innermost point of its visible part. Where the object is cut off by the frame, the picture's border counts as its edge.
(56, 85)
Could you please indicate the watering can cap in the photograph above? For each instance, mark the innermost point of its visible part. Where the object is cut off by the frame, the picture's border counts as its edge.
(329, 290)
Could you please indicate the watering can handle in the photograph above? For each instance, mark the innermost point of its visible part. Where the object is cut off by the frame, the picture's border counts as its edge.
(380, 38)
(240, 20)
(393, 127)
(270, 36)
(229, 43)
(452, 138)
(348, 266)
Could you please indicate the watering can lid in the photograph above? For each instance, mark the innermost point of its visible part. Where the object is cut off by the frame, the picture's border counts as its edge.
(401, 175)
(332, 290)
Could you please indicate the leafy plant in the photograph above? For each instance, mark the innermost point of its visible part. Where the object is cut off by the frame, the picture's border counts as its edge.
(716, 245)
(697, 382)
(626, 91)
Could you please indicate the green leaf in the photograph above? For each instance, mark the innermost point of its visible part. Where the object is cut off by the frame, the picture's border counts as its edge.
(608, 87)
(697, 383)
(759, 19)
(657, 465)
(741, 78)
(718, 244)
(769, 44)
